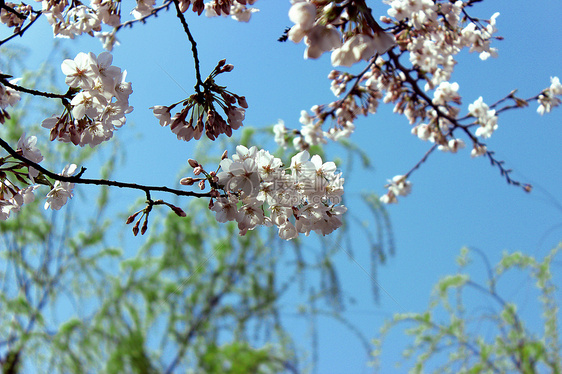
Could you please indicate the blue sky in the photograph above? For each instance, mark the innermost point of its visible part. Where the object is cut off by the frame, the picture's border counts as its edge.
(456, 201)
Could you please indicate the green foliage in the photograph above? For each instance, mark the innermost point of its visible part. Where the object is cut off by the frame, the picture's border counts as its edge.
(455, 344)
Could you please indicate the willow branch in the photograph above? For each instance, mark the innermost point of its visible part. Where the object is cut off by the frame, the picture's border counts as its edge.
(99, 182)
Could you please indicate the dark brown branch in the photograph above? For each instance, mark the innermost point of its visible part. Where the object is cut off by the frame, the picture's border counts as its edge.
(420, 162)
(21, 31)
(11, 10)
(99, 182)
(454, 121)
(154, 13)
(193, 47)
(50, 95)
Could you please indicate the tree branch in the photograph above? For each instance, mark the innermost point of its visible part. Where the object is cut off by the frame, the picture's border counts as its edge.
(21, 31)
(50, 95)
(154, 13)
(99, 182)
(193, 47)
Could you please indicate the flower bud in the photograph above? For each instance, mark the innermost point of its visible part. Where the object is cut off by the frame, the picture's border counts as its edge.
(188, 181)
(178, 211)
(131, 218)
(198, 170)
(202, 184)
(242, 102)
(193, 163)
(144, 226)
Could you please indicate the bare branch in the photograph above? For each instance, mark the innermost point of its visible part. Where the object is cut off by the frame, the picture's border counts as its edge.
(100, 182)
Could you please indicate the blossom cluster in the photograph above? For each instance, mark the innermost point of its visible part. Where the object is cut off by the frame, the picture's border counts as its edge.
(548, 98)
(321, 34)
(70, 19)
(61, 191)
(199, 113)
(299, 199)
(8, 97)
(237, 9)
(429, 34)
(100, 102)
(17, 17)
(18, 182)
(398, 186)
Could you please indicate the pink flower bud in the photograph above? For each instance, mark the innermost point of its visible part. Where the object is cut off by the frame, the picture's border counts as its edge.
(242, 102)
(178, 211)
(187, 181)
(131, 218)
(198, 169)
(202, 184)
(193, 163)
(144, 226)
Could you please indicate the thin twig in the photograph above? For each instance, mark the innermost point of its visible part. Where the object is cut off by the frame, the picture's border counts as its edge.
(420, 162)
(193, 47)
(154, 13)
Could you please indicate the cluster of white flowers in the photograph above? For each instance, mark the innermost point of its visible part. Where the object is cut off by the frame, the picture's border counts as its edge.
(11, 19)
(485, 117)
(446, 92)
(398, 186)
(548, 98)
(8, 97)
(73, 21)
(437, 33)
(308, 199)
(238, 10)
(99, 106)
(311, 132)
(323, 36)
(280, 134)
(13, 197)
(61, 191)
(75, 18)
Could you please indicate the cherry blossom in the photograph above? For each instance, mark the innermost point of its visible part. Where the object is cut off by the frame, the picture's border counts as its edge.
(398, 186)
(100, 105)
(407, 61)
(258, 191)
(61, 191)
(548, 98)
